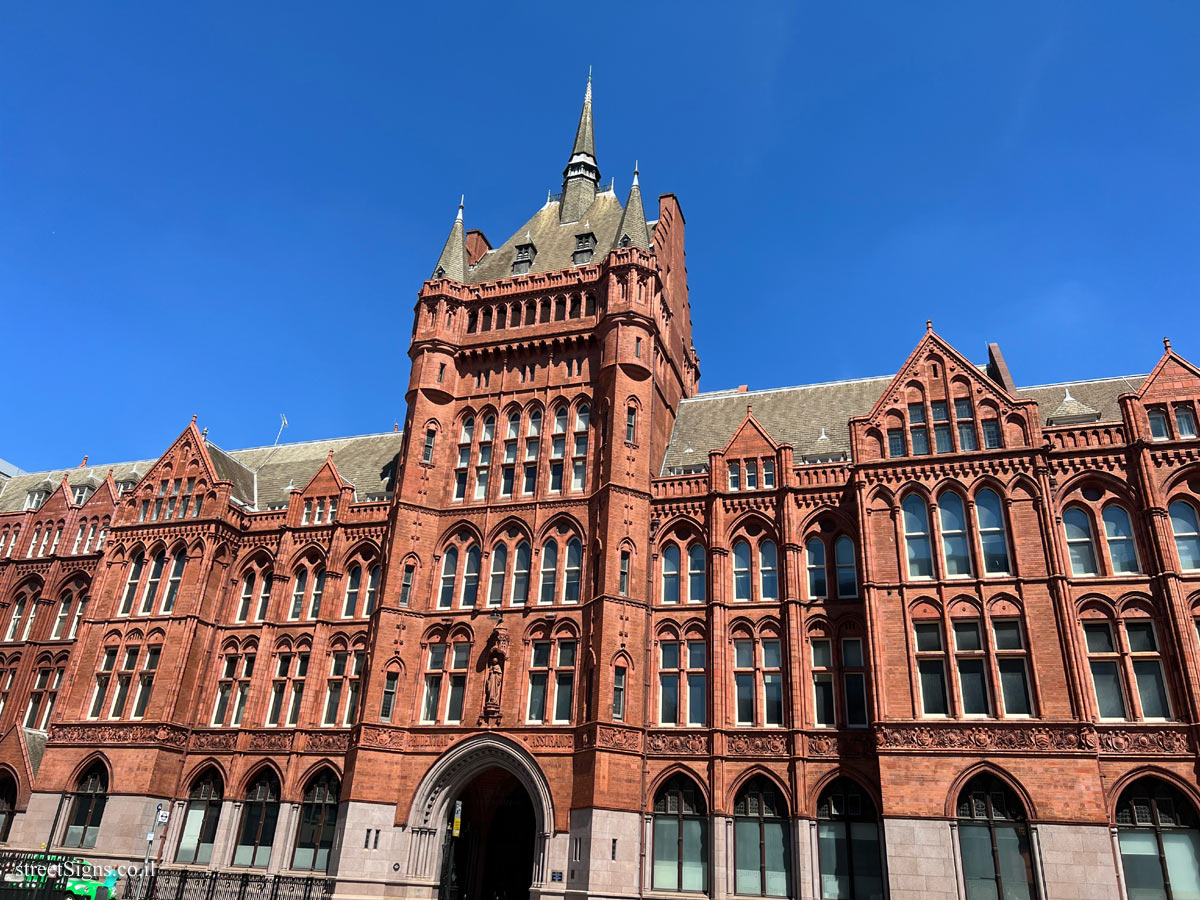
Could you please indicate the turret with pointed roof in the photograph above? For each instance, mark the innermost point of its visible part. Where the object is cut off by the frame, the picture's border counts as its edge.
(453, 261)
(632, 231)
(581, 177)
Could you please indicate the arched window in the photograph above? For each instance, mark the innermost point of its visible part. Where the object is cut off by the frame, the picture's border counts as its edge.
(560, 420)
(318, 816)
(298, 588)
(582, 417)
(174, 580)
(449, 573)
(200, 819)
(768, 570)
(1160, 842)
(353, 582)
(1186, 528)
(760, 840)
(1118, 532)
(535, 423)
(697, 566)
(549, 572)
(847, 579)
(496, 583)
(470, 592)
(848, 844)
(87, 807)
(131, 583)
(468, 430)
(670, 574)
(990, 517)
(318, 591)
(264, 596)
(955, 549)
(372, 590)
(521, 562)
(151, 591)
(814, 550)
(1080, 547)
(247, 596)
(260, 814)
(680, 837)
(994, 840)
(14, 622)
(571, 571)
(741, 571)
(916, 537)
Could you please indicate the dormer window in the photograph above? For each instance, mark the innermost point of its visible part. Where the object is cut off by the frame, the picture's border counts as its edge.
(81, 493)
(34, 499)
(124, 486)
(585, 246)
(625, 241)
(523, 260)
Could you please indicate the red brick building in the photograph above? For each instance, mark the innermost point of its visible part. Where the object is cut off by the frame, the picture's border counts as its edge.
(581, 631)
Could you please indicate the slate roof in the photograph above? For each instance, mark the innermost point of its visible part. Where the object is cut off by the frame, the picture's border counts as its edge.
(796, 415)
(555, 241)
(260, 475)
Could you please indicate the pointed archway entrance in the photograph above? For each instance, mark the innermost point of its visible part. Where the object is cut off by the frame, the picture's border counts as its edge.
(491, 856)
(505, 820)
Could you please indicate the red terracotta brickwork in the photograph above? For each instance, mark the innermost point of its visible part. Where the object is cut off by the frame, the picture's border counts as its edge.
(528, 519)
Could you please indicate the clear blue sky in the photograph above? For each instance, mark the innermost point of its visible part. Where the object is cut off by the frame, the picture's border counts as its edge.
(227, 208)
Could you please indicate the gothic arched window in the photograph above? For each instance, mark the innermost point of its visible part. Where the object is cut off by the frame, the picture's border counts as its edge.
(87, 807)
(760, 839)
(260, 814)
(1160, 842)
(680, 837)
(318, 816)
(848, 843)
(200, 819)
(993, 837)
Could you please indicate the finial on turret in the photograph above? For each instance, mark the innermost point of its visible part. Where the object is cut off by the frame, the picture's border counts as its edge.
(587, 95)
(461, 201)
(1167, 344)
(635, 171)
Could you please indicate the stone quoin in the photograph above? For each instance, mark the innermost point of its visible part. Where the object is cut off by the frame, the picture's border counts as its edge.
(578, 630)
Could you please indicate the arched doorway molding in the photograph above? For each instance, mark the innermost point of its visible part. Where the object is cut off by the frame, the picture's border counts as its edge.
(445, 780)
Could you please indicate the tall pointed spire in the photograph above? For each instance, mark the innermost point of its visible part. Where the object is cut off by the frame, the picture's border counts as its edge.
(632, 231)
(453, 261)
(581, 177)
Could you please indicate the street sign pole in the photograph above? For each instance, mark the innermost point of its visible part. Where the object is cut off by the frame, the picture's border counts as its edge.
(160, 817)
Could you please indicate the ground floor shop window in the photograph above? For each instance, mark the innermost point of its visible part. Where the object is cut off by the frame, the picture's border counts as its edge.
(848, 843)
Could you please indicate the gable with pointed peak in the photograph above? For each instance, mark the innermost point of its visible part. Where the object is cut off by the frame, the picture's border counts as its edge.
(326, 480)
(1172, 377)
(936, 372)
(105, 495)
(749, 439)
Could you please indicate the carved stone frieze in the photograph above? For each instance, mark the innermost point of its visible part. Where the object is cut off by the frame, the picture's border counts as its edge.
(269, 740)
(1000, 736)
(162, 735)
(327, 741)
(749, 744)
(677, 743)
(214, 740)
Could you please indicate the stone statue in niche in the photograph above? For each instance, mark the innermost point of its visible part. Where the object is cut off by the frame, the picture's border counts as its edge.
(493, 685)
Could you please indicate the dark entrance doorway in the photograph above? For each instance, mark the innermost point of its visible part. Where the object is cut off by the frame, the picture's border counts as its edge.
(492, 857)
